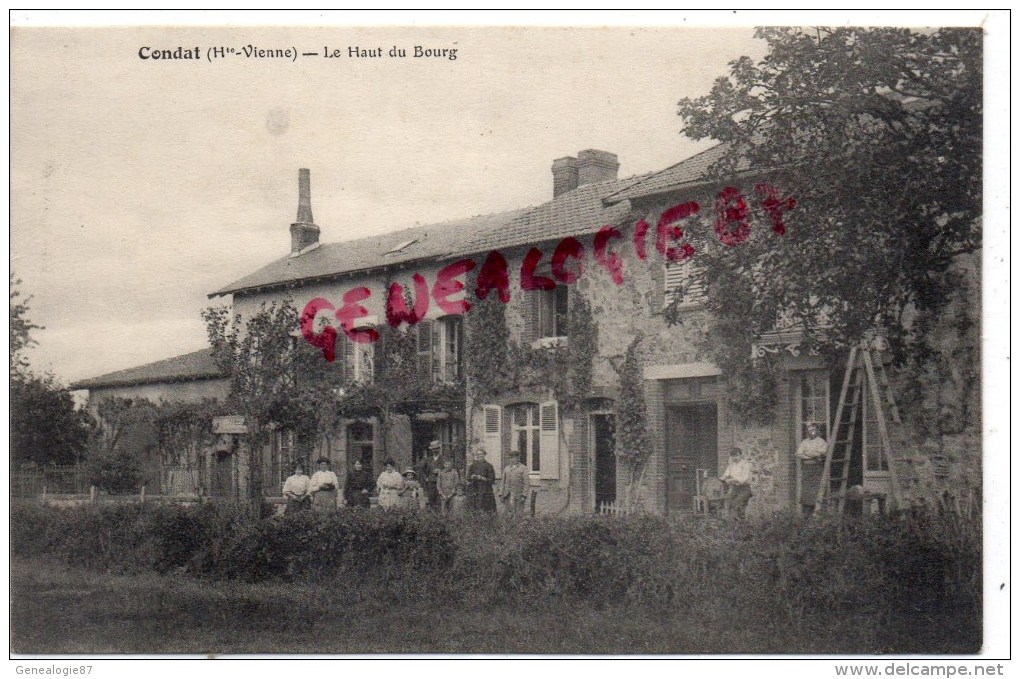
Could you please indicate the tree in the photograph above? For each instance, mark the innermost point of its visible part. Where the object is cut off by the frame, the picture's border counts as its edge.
(111, 466)
(182, 427)
(260, 357)
(873, 137)
(20, 329)
(45, 427)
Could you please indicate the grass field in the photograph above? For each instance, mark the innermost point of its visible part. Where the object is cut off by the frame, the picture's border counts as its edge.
(60, 609)
(219, 579)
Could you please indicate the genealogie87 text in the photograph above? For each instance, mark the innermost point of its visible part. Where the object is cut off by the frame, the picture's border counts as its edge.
(732, 227)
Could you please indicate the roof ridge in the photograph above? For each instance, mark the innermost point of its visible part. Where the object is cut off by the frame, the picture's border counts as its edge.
(113, 378)
(655, 173)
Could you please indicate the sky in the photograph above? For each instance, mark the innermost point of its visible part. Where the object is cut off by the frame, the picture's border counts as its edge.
(140, 186)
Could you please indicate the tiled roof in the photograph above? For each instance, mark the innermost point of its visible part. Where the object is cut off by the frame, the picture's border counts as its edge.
(194, 366)
(417, 243)
(576, 212)
(689, 171)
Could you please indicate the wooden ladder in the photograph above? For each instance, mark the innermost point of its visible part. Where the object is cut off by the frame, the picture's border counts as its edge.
(863, 372)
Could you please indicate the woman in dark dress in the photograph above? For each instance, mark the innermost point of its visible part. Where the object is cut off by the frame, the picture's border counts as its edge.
(359, 486)
(480, 477)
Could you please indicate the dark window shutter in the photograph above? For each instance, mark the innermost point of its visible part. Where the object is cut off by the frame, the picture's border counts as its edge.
(379, 357)
(345, 354)
(531, 316)
(425, 331)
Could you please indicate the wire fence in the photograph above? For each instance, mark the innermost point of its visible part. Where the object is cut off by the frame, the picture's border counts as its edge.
(172, 480)
(63, 479)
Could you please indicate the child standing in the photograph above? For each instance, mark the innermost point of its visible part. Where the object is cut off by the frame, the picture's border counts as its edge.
(458, 503)
(447, 484)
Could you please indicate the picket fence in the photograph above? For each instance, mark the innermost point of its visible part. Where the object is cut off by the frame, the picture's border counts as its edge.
(613, 508)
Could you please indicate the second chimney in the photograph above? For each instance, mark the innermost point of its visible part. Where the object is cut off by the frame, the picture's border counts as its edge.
(303, 233)
(596, 166)
(564, 175)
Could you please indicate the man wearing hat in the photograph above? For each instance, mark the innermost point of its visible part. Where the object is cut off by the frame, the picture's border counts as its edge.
(322, 487)
(516, 485)
(428, 474)
(414, 497)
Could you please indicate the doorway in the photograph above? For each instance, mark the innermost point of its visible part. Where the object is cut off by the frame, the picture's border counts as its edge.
(692, 435)
(361, 444)
(603, 433)
(223, 474)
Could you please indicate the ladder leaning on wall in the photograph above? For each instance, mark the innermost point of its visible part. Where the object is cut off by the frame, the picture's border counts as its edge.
(863, 372)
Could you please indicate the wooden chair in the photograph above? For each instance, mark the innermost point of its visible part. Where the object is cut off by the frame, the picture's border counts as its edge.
(710, 493)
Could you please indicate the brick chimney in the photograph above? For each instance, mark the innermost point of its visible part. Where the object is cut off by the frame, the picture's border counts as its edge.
(564, 175)
(596, 166)
(303, 233)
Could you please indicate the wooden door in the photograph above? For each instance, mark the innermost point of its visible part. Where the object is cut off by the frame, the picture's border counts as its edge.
(223, 474)
(691, 444)
(604, 438)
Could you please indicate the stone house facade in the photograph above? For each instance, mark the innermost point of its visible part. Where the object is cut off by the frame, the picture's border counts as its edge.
(598, 242)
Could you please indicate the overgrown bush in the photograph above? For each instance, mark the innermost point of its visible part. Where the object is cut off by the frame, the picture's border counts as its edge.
(115, 471)
(230, 541)
(780, 570)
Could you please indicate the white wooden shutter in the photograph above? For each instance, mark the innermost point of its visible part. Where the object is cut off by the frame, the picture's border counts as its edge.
(683, 278)
(674, 280)
(492, 439)
(549, 440)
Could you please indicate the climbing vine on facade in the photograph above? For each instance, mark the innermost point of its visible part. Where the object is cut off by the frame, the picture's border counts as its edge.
(499, 365)
(633, 444)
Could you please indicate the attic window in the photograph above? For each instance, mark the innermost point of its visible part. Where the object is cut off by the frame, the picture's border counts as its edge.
(402, 246)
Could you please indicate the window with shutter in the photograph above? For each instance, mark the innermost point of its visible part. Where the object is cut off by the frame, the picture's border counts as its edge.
(683, 281)
(549, 461)
(345, 351)
(439, 349)
(524, 434)
(492, 439)
(546, 313)
(359, 361)
(449, 355)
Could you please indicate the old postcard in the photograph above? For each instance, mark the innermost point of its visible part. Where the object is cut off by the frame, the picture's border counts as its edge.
(656, 340)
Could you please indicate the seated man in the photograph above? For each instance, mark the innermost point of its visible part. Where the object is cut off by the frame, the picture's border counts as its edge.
(738, 478)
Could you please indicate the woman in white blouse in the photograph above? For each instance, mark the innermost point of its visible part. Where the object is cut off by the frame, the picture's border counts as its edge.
(390, 486)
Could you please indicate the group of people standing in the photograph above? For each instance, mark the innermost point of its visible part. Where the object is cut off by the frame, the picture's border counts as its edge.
(435, 485)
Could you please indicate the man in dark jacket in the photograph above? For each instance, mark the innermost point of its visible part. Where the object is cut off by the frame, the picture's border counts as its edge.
(428, 474)
(359, 486)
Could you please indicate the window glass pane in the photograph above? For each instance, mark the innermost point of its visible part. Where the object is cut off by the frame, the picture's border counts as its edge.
(814, 402)
(546, 313)
(520, 415)
(561, 294)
